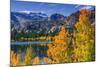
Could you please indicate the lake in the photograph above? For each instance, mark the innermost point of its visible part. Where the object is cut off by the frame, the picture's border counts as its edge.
(20, 47)
(30, 42)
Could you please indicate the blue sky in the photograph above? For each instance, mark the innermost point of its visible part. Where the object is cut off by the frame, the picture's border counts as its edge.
(48, 8)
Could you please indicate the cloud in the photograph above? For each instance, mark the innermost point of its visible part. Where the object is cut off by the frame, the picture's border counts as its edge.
(77, 6)
(86, 7)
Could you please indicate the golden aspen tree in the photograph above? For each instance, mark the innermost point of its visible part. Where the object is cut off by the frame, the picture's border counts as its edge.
(28, 56)
(58, 50)
(36, 60)
(83, 38)
(15, 58)
(47, 60)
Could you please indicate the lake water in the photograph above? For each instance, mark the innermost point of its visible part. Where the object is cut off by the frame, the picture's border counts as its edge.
(30, 42)
(21, 46)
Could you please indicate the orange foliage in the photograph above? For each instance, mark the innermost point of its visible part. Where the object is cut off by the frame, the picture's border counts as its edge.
(59, 49)
(36, 60)
(47, 60)
(14, 58)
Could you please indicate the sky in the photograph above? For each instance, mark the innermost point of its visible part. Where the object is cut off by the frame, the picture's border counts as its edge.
(47, 8)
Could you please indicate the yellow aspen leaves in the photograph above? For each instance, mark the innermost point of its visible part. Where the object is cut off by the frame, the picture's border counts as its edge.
(28, 56)
(83, 50)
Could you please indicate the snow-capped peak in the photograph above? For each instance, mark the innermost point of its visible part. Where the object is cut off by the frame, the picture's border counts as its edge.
(27, 12)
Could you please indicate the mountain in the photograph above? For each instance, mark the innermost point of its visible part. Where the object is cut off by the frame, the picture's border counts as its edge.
(40, 24)
(36, 23)
(74, 17)
(22, 20)
(31, 16)
(57, 17)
